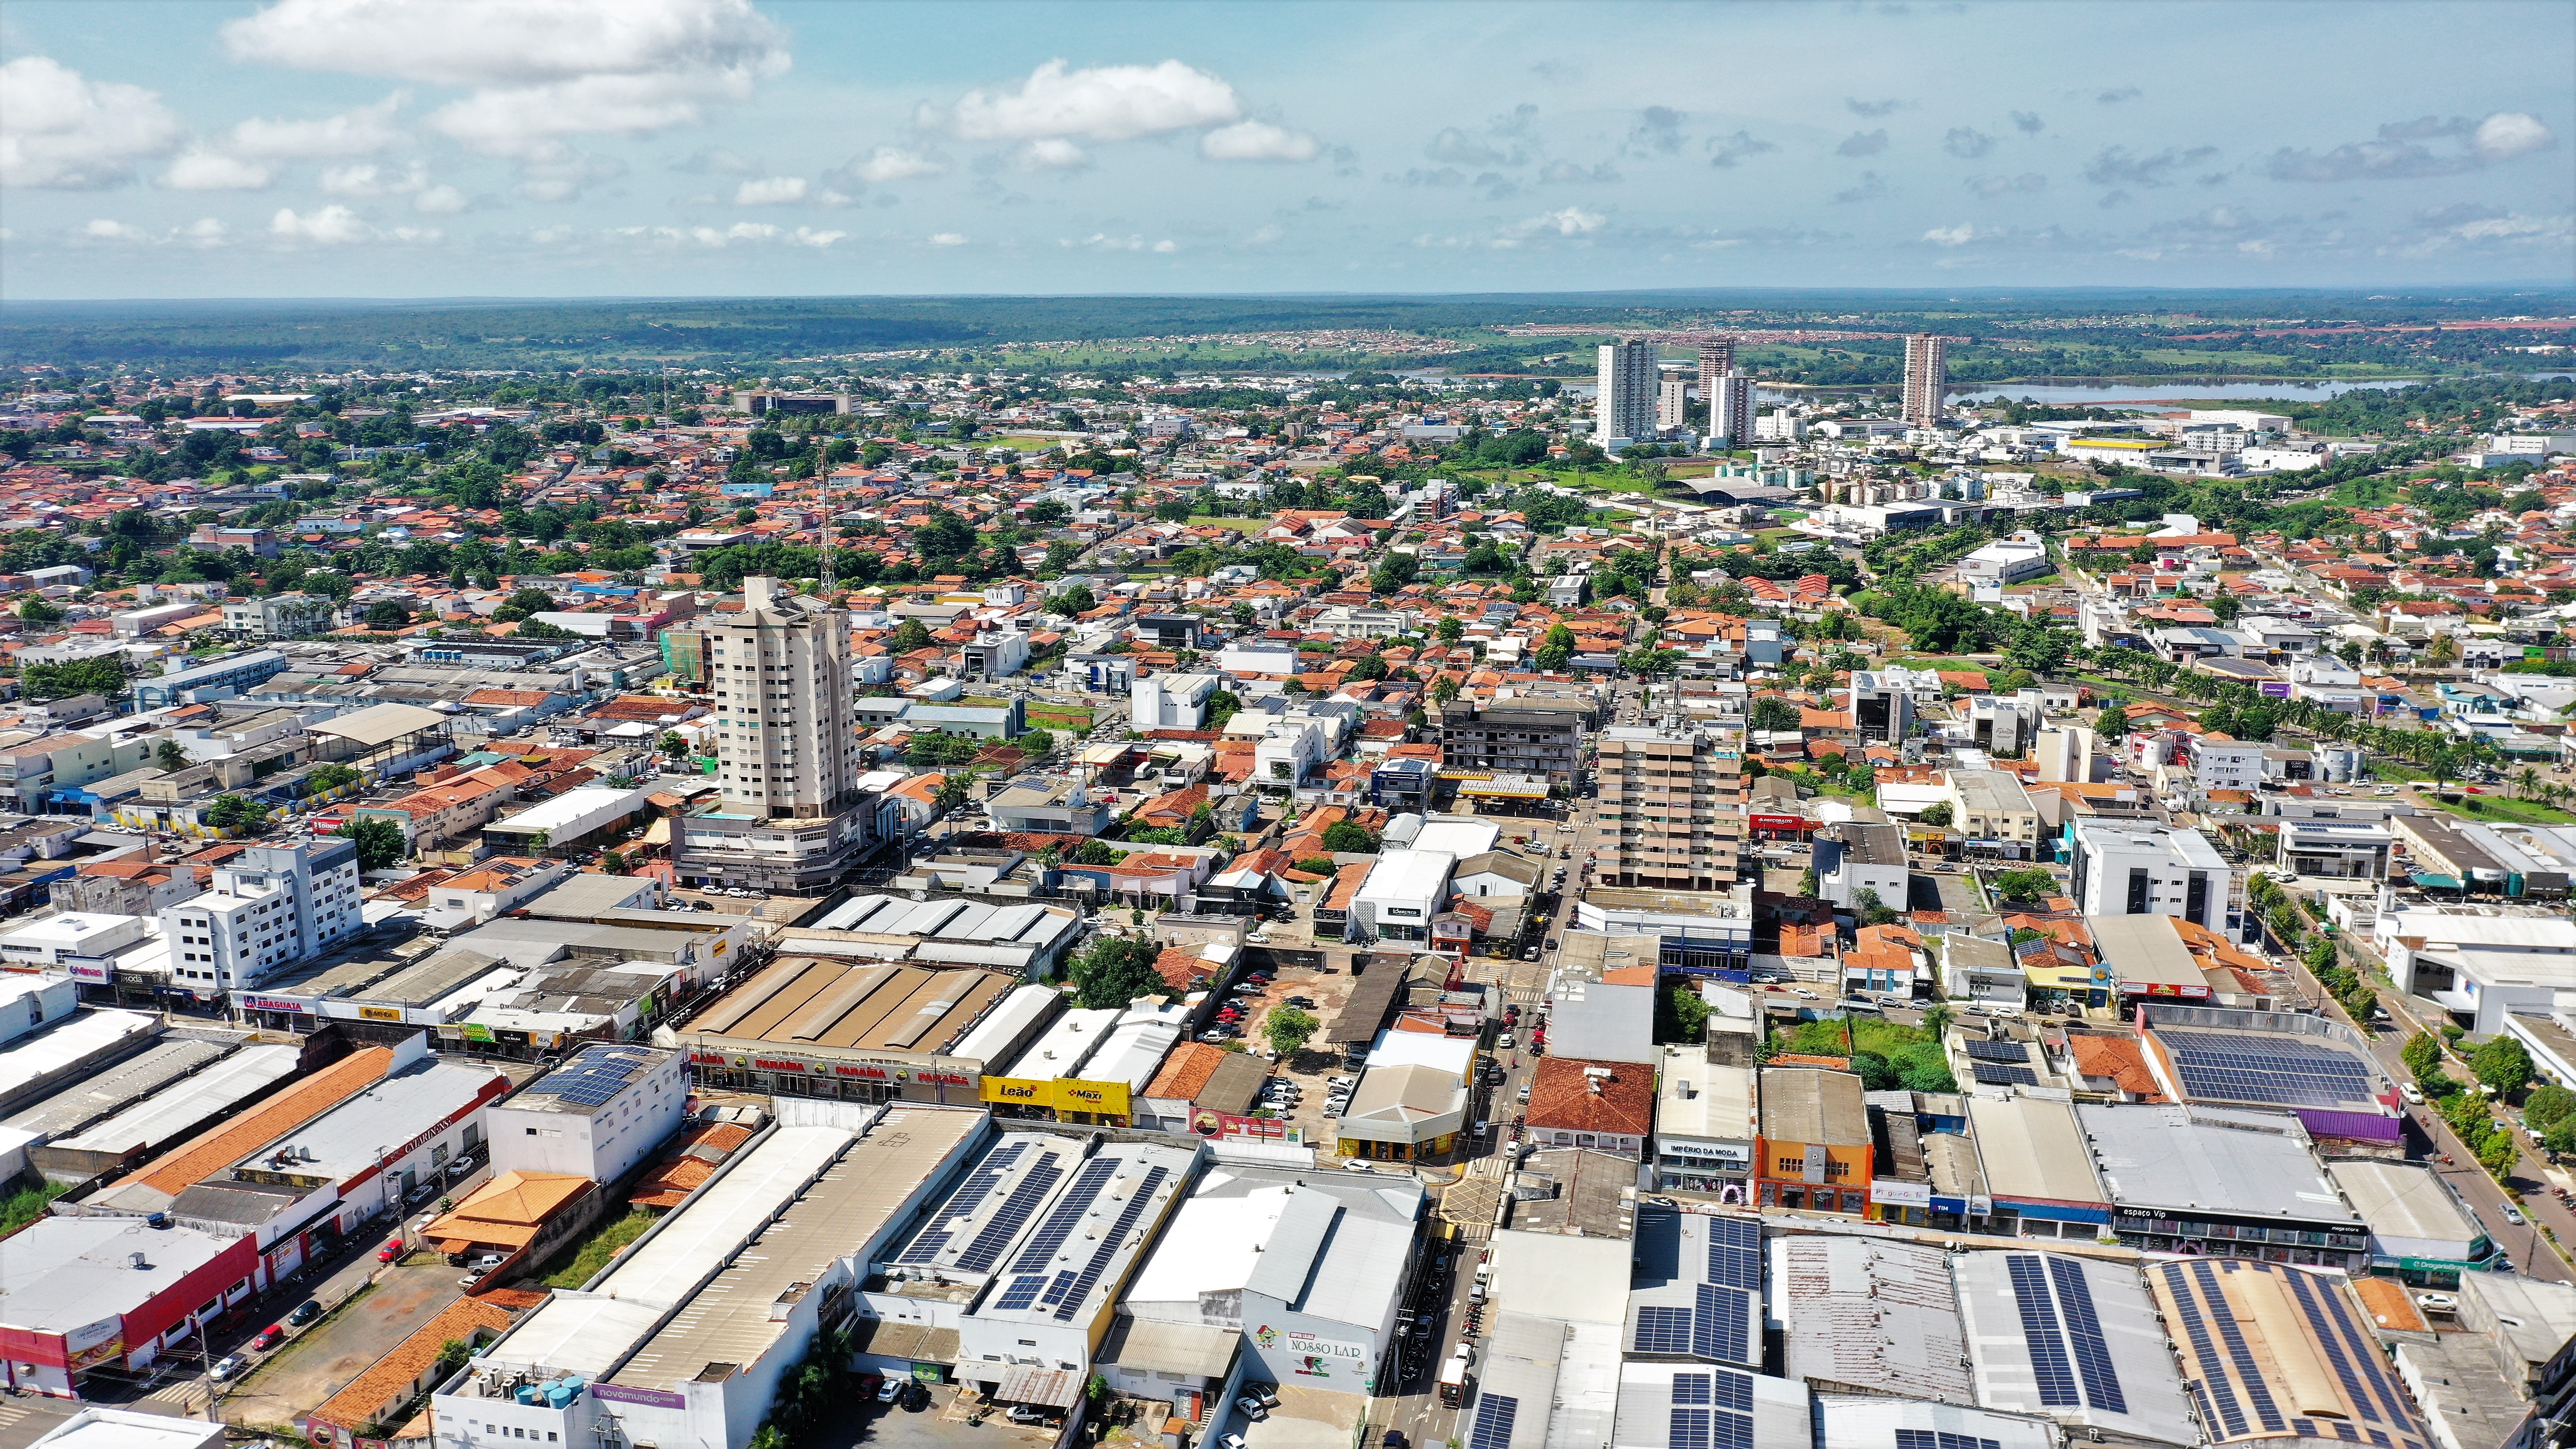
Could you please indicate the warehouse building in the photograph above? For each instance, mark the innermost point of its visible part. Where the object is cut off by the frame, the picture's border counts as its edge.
(2074, 1340)
(856, 1028)
(1875, 1314)
(2279, 1352)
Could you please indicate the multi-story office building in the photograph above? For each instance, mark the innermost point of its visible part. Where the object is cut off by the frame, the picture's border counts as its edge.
(1883, 706)
(1522, 737)
(1927, 376)
(1671, 808)
(1730, 411)
(280, 616)
(790, 814)
(1854, 857)
(2138, 870)
(271, 906)
(1625, 407)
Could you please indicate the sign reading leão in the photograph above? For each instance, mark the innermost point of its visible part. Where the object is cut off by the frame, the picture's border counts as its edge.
(1065, 1094)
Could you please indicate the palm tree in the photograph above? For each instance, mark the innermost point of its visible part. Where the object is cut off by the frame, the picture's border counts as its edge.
(2525, 781)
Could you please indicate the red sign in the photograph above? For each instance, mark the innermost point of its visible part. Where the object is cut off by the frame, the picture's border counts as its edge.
(944, 1079)
(1780, 822)
(713, 1059)
(872, 1073)
(775, 1064)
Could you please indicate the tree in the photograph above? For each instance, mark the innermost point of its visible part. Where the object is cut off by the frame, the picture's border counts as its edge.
(521, 604)
(380, 843)
(1288, 1027)
(1937, 813)
(1869, 909)
(105, 677)
(235, 812)
(2502, 1064)
(329, 777)
(385, 616)
(674, 743)
(170, 757)
(1921, 1067)
(1075, 600)
(1771, 712)
(36, 611)
(1117, 970)
(1349, 837)
(1449, 629)
(2559, 1137)
(2422, 1055)
(910, 635)
(2025, 885)
(2549, 1103)
(1684, 1017)
(2112, 723)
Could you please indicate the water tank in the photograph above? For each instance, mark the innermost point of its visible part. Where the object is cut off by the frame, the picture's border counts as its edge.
(157, 1220)
(559, 1393)
(527, 1394)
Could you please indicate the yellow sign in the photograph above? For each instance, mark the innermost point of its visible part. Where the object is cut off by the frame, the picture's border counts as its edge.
(1102, 1099)
(380, 1013)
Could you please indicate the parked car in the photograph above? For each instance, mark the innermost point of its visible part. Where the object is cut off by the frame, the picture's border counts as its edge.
(305, 1312)
(270, 1337)
(2438, 1302)
(1251, 1408)
(230, 1366)
(1023, 1414)
(889, 1391)
(1268, 1394)
(2412, 1093)
(390, 1251)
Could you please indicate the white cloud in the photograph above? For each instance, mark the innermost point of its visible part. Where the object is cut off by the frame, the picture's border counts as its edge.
(1167, 245)
(1103, 103)
(540, 69)
(329, 226)
(1566, 221)
(361, 179)
(560, 173)
(216, 171)
(806, 236)
(770, 191)
(1052, 153)
(439, 200)
(102, 229)
(205, 231)
(1266, 235)
(1103, 242)
(892, 163)
(360, 132)
(1257, 141)
(63, 131)
(1955, 236)
(2512, 133)
(948, 239)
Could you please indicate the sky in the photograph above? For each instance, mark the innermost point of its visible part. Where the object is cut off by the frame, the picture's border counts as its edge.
(424, 148)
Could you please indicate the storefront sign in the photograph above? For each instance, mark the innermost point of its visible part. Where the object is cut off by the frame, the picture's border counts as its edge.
(477, 1031)
(302, 1004)
(380, 1013)
(1105, 1099)
(1900, 1194)
(96, 971)
(654, 1398)
(1705, 1151)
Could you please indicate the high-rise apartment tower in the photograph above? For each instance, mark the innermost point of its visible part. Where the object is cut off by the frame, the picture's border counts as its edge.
(1730, 411)
(1626, 406)
(1716, 360)
(1927, 376)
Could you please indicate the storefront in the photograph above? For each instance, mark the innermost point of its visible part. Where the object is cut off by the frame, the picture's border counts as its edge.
(809, 1072)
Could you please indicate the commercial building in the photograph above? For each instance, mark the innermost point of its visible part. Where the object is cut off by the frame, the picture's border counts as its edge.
(2222, 1183)
(863, 1030)
(1405, 889)
(683, 1341)
(2312, 1067)
(1539, 738)
(78, 1294)
(1816, 1151)
(271, 906)
(279, 616)
(1602, 1106)
(2073, 1340)
(2483, 963)
(1876, 1314)
(2280, 1353)
(2337, 849)
(2007, 561)
(1994, 812)
(1883, 705)
(1411, 1102)
(226, 678)
(1927, 378)
(1300, 1273)
(2122, 869)
(1682, 1406)
(1672, 807)
(1853, 857)
(791, 816)
(597, 1116)
(1624, 403)
(2040, 1180)
(1171, 701)
(1695, 1292)
(2420, 1231)
(1705, 1127)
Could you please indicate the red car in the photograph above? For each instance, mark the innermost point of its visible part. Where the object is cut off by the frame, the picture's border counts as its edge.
(390, 1251)
(270, 1336)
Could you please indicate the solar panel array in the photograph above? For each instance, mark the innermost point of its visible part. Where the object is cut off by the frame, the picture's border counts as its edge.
(1930, 1439)
(1070, 1289)
(2039, 1332)
(969, 1196)
(594, 1076)
(2084, 1334)
(2284, 1071)
(1069, 1209)
(1995, 1076)
(1718, 1324)
(1662, 1330)
(1009, 1218)
(1999, 1051)
(1735, 1252)
(1494, 1416)
(2352, 1352)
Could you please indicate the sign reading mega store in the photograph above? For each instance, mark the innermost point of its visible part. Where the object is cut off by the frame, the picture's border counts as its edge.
(1064, 1094)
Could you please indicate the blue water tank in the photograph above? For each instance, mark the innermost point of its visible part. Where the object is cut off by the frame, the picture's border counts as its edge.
(527, 1394)
(559, 1394)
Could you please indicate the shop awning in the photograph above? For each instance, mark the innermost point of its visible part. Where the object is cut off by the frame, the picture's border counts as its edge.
(1049, 1388)
(2433, 882)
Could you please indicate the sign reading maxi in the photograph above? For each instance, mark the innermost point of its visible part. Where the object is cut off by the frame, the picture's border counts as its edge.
(806, 1071)
(1063, 1094)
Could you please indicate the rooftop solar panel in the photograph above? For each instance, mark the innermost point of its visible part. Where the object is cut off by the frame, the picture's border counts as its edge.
(1995, 1076)
(1735, 1253)
(1662, 1330)
(2279, 1070)
(2039, 1332)
(1999, 1051)
(1718, 1324)
(2084, 1336)
(1494, 1416)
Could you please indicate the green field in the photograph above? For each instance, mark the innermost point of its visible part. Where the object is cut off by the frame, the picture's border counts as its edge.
(2498, 807)
(1061, 718)
(1240, 525)
(597, 1247)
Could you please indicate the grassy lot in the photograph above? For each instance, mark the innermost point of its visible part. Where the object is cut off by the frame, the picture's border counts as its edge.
(2498, 807)
(1240, 525)
(27, 1204)
(1869, 1034)
(1968, 666)
(582, 1262)
(1078, 721)
(1021, 442)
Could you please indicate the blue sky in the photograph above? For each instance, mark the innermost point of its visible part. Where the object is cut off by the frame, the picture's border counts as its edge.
(768, 147)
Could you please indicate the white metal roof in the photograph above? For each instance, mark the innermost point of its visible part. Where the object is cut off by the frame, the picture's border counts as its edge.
(183, 1104)
(2138, 1370)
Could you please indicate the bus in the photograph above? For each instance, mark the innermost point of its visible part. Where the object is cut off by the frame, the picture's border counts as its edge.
(1453, 1379)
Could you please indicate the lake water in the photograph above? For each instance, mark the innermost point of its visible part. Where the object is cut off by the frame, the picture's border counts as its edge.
(2108, 393)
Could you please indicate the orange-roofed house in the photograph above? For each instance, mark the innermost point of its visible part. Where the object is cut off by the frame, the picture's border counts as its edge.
(1603, 1106)
(514, 1213)
(2113, 1065)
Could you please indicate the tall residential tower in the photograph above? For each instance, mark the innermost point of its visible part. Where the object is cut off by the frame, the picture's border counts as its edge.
(1625, 409)
(1927, 376)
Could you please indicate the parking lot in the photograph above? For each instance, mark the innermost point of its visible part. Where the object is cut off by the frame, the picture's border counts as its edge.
(322, 1361)
(1309, 1068)
(938, 1424)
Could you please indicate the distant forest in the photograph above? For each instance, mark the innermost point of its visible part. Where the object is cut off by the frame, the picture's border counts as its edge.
(2022, 335)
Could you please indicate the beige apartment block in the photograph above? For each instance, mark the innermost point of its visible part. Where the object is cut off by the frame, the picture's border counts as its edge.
(1672, 807)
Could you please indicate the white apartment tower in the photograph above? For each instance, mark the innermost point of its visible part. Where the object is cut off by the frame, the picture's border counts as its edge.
(270, 907)
(791, 814)
(1672, 401)
(1927, 376)
(1730, 412)
(1626, 407)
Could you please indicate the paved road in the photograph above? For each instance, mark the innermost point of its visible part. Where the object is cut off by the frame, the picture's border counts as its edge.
(2429, 1137)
